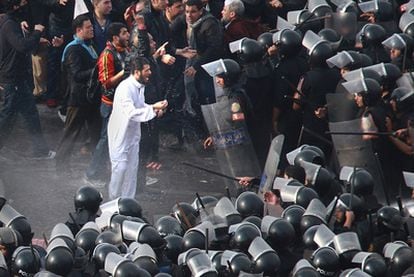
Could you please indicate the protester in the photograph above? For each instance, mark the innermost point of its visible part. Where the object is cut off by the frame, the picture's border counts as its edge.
(13, 79)
(129, 110)
(79, 59)
(111, 64)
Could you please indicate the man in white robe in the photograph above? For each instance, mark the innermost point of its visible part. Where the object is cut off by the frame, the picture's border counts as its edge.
(124, 128)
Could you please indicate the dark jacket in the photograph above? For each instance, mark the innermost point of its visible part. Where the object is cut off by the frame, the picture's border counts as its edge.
(14, 49)
(61, 17)
(209, 41)
(157, 26)
(78, 66)
(208, 36)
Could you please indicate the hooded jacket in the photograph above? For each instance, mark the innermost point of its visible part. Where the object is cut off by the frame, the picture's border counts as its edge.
(14, 48)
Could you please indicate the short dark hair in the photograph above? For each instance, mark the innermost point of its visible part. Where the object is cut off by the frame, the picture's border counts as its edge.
(172, 2)
(296, 172)
(78, 22)
(137, 63)
(197, 3)
(114, 29)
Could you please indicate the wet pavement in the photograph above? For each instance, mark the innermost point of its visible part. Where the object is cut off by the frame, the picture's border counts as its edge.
(34, 189)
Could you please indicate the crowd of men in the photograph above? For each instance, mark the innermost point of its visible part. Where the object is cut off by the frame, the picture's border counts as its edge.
(333, 77)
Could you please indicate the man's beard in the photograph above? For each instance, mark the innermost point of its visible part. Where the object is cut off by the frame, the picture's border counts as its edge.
(224, 21)
(143, 80)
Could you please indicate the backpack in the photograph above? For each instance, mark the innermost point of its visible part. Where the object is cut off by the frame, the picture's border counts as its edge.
(94, 87)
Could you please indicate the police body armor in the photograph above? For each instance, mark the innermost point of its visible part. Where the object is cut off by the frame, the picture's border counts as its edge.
(226, 125)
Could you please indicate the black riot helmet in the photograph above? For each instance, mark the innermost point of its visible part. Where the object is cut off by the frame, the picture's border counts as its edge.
(308, 237)
(305, 196)
(25, 261)
(319, 50)
(319, 8)
(280, 233)
(251, 51)
(371, 74)
(119, 266)
(385, 11)
(100, 252)
(365, 60)
(22, 226)
(404, 99)
(265, 40)
(305, 20)
(352, 202)
(167, 225)
(142, 233)
(173, 247)
(238, 262)
(311, 156)
(254, 219)
(80, 260)
(59, 258)
(10, 239)
(193, 239)
(129, 207)
(390, 218)
(109, 236)
(249, 203)
(372, 35)
(145, 257)
(185, 210)
(86, 236)
(371, 263)
(88, 198)
(293, 214)
(400, 257)
(326, 261)
(288, 42)
(320, 54)
(243, 235)
(264, 257)
(400, 42)
(315, 214)
(232, 72)
(393, 73)
(369, 89)
(305, 270)
(362, 182)
(331, 36)
(16, 221)
(117, 219)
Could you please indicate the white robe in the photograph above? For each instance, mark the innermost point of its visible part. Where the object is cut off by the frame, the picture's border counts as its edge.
(124, 134)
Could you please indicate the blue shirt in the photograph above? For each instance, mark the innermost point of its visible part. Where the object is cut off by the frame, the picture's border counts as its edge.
(99, 35)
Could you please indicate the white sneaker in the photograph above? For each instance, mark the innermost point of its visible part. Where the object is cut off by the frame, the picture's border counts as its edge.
(150, 181)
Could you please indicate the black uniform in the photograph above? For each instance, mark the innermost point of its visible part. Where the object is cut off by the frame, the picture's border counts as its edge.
(314, 86)
(286, 75)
